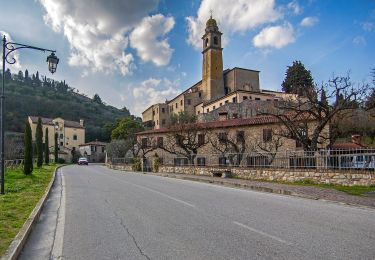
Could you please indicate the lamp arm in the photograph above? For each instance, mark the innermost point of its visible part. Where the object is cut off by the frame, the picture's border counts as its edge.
(13, 46)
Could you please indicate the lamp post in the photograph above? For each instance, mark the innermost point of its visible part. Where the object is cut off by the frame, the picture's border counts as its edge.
(8, 48)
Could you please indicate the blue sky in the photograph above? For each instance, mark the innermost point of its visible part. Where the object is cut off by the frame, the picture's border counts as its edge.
(135, 53)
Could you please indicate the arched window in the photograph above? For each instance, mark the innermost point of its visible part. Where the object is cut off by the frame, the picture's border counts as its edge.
(206, 42)
(216, 42)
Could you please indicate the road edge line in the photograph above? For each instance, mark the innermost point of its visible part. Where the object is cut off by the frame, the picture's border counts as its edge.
(15, 248)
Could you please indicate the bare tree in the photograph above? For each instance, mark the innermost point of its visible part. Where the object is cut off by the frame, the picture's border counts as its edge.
(229, 145)
(269, 148)
(185, 140)
(317, 109)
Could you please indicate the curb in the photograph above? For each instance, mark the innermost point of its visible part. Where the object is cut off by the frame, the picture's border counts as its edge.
(257, 188)
(19, 241)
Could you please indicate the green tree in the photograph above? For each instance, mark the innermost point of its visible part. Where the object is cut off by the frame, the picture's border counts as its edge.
(126, 128)
(28, 150)
(97, 99)
(39, 143)
(46, 147)
(56, 149)
(298, 80)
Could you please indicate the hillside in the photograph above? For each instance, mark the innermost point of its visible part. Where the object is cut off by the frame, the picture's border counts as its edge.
(30, 95)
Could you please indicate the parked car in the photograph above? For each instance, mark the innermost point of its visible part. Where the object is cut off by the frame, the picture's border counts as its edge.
(83, 161)
(359, 162)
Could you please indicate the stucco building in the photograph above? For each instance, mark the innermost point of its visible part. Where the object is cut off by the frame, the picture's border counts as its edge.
(71, 134)
(94, 151)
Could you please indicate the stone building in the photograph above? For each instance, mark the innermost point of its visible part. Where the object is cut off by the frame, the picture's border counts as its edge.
(218, 140)
(71, 134)
(94, 151)
(217, 88)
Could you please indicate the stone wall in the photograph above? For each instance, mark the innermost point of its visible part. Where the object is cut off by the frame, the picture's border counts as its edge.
(346, 178)
(121, 167)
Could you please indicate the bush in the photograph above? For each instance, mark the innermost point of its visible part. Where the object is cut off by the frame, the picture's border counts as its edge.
(156, 164)
(60, 160)
(137, 166)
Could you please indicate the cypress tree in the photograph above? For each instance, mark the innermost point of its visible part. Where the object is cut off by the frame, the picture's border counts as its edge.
(39, 143)
(46, 147)
(56, 149)
(28, 151)
(298, 80)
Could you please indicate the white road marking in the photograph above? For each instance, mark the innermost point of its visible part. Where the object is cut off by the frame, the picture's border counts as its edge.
(57, 248)
(262, 233)
(154, 191)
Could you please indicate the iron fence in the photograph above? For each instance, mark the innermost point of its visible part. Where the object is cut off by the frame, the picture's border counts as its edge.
(357, 159)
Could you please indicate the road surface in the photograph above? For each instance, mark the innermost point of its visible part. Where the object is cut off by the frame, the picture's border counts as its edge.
(97, 213)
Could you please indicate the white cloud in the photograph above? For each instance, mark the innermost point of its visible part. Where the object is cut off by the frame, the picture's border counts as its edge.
(359, 40)
(152, 91)
(368, 26)
(12, 56)
(96, 30)
(309, 21)
(295, 7)
(145, 38)
(275, 36)
(236, 16)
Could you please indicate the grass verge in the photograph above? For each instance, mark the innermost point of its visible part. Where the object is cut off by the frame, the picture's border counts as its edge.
(22, 193)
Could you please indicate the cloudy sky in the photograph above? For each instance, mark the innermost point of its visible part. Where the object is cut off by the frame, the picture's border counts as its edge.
(135, 53)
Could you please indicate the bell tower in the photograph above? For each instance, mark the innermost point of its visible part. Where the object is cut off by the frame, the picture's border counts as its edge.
(212, 69)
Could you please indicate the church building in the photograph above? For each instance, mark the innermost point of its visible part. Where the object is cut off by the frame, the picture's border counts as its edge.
(216, 89)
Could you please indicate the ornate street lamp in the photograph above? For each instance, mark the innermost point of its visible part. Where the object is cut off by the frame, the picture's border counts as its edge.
(8, 48)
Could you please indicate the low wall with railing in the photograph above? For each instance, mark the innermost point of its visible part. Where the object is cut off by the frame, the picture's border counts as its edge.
(346, 178)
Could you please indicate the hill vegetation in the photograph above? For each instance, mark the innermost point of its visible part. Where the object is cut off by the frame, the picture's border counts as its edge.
(41, 96)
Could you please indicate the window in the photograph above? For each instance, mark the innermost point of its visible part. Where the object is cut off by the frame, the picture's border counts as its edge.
(303, 134)
(222, 137)
(163, 110)
(226, 101)
(221, 104)
(222, 161)
(153, 112)
(269, 99)
(201, 161)
(61, 144)
(250, 97)
(189, 102)
(234, 100)
(200, 94)
(240, 136)
(208, 110)
(213, 107)
(163, 122)
(257, 98)
(267, 135)
(181, 102)
(103, 149)
(245, 97)
(176, 105)
(157, 122)
(216, 41)
(160, 141)
(75, 137)
(206, 42)
(92, 148)
(199, 112)
(200, 139)
(226, 90)
(144, 142)
(235, 115)
(61, 136)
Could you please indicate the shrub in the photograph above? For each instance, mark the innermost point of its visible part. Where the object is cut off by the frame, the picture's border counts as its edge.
(137, 165)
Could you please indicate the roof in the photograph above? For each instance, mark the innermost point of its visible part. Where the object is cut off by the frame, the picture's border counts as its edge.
(49, 121)
(347, 145)
(259, 120)
(235, 92)
(98, 143)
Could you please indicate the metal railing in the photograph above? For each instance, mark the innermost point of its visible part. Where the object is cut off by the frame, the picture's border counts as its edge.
(354, 159)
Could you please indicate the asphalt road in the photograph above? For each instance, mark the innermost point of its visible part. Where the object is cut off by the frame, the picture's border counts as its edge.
(97, 213)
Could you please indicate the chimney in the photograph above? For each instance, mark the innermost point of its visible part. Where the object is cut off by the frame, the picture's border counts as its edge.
(81, 122)
(356, 139)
